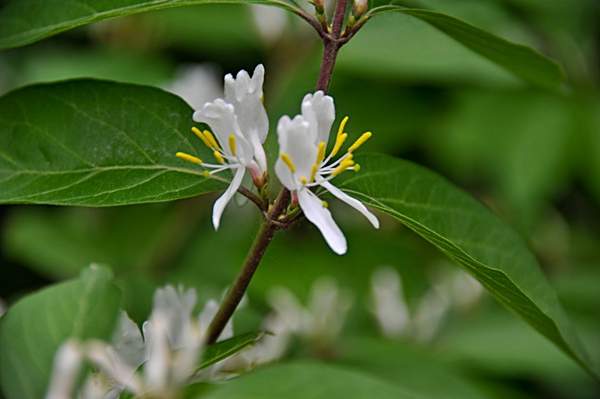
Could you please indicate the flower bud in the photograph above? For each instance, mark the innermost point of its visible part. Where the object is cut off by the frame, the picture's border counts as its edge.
(359, 8)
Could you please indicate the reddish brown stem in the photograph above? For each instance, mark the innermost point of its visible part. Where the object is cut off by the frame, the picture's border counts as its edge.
(332, 44)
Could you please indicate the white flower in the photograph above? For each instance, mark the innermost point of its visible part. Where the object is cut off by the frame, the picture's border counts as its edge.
(389, 305)
(67, 363)
(169, 349)
(240, 126)
(450, 291)
(302, 164)
(197, 84)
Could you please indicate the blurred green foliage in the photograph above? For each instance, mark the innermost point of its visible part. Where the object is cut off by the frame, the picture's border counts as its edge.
(532, 155)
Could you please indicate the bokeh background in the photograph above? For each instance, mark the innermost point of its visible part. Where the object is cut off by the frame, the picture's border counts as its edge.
(533, 156)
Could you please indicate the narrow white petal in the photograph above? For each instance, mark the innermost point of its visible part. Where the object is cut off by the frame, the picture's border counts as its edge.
(222, 119)
(112, 365)
(293, 140)
(320, 216)
(67, 362)
(178, 305)
(319, 110)
(128, 342)
(224, 199)
(156, 368)
(353, 202)
(245, 94)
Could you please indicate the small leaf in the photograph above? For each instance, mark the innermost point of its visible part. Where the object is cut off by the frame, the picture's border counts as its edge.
(301, 380)
(35, 327)
(522, 61)
(472, 236)
(223, 349)
(26, 21)
(97, 143)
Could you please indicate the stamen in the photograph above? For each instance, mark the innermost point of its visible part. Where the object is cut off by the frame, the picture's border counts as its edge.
(356, 168)
(211, 139)
(342, 126)
(206, 173)
(361, 140)
(313, 172)
(288, 161)
(347, 163)
(219, 157)
(325, 204)
(201, 136)
(321, 153)
(339, 142)
(303, 181)
(189, 158)
(232, 146)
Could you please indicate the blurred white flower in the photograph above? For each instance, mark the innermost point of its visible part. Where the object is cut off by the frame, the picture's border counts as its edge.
(455, 290)
(270, 22)
(66, 368)
(197, 84)
(169, 349)
(303, 164)
(320, 322)
(240, 124)
(388, 303)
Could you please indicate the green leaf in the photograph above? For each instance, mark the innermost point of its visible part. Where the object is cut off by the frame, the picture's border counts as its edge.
(411, 365)
(97, 143)
(303, 380)
(522, 61)
(27, 21)
(37, 325)
(472, 236)
(222, 350)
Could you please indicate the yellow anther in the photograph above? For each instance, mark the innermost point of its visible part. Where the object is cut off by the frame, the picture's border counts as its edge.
(201, 136)
(356, 167)
(313, 172)
(346, 163)
(361, 140)
(219, 157)
(189, 158)
(211, 139)
(325, 204)
(339, 142)
(321, 152)
(206, 173)
(288, 161)
(303, 180)
(342, 126)
(232, 146)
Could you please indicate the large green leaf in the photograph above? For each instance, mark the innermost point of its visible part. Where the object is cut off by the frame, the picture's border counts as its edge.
(27, 21)
(522, 61)
(96, 143)
(308, 380)
(472, 236)
(36, 326)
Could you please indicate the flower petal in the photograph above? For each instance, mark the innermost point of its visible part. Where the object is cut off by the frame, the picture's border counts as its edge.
(245, 94)
(221, 118)
(67, 363)
(128, 342)
(294, 141)
(222, 202)
(319, 110)
(353, 202)
(320, 216)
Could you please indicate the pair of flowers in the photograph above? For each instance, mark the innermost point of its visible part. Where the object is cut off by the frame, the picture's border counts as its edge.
(240, 126)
